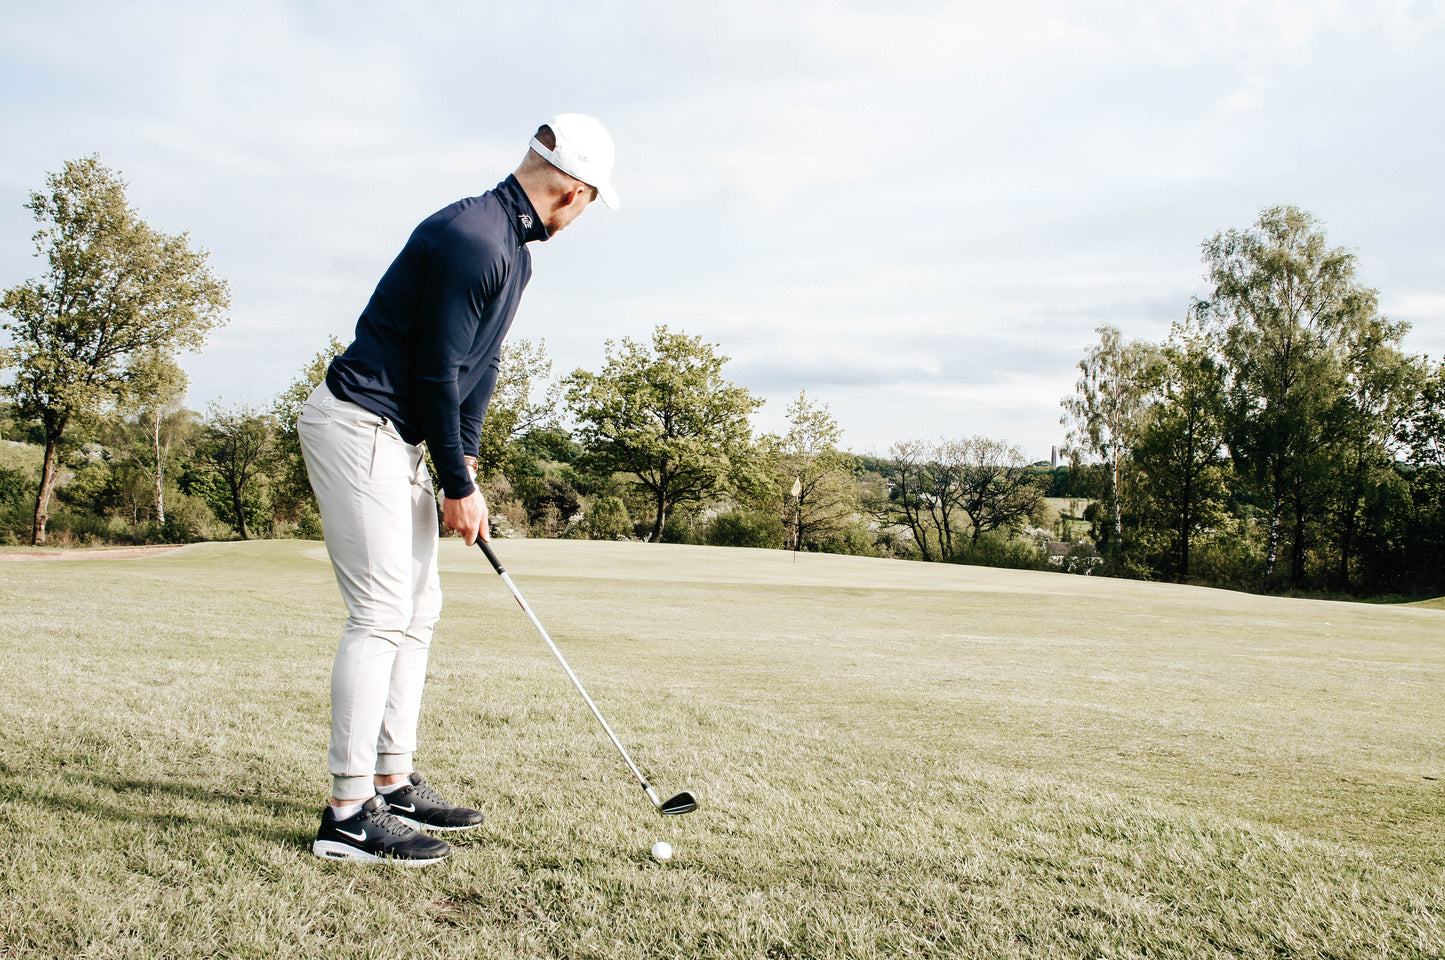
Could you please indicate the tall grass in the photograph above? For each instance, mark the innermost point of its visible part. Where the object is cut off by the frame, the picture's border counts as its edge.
(895, 760)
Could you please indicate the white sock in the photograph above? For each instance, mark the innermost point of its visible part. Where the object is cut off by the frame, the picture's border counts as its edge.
(388, 791)
(348, 811)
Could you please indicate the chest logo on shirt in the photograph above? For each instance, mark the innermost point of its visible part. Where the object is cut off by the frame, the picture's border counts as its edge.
(526, 219)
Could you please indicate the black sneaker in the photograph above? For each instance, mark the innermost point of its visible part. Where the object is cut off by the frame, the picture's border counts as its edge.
(375, 836)
(417, 805)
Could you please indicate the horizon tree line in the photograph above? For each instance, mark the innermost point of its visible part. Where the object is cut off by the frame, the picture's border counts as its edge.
(1279, 438)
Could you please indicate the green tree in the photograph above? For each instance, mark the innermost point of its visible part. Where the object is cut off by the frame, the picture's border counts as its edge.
(1289, 313)
(292, 498)
(1179, 450)
(1106, 414)
(812, 480)
(514, 410)
(238, 447)
(1422, 566)
(113, 289)
(606, 519)
(1423, 430)
(938, 491)
(1382, 385)
(153, 419)
(663, 414)
(995, 488)
(911, 498)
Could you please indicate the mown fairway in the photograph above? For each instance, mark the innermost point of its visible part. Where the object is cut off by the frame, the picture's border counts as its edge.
(895, 760)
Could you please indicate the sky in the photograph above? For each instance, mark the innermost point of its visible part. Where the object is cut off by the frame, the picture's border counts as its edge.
(918, 213)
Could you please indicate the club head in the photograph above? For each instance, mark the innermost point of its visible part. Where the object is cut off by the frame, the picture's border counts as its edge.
(684, 802)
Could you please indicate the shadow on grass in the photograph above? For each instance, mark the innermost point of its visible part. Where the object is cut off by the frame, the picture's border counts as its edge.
(162, 803)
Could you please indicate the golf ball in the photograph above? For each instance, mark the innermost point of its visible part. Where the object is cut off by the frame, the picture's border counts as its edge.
(662, 850)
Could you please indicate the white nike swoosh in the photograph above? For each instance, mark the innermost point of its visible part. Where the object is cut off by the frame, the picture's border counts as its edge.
(409, 808)
(354, 836)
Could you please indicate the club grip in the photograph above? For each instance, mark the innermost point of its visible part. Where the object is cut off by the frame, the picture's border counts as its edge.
(487, 549)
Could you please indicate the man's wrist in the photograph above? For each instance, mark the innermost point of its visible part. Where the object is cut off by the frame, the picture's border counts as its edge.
(461, 494)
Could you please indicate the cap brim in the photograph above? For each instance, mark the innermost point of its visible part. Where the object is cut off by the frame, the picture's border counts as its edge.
(608, 194)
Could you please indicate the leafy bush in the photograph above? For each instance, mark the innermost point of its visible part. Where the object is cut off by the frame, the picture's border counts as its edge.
(86, 487)
(606, 519)
(17, 505)
(68, 526)
(856, 540)
(16, 487)
(746, 528)
(508, 517)
(189, 520)
(681, 527)
(993, 550)
(308, 526)
(1232, 557)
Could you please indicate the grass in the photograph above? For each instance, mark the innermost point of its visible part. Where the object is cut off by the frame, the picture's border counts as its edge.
(895, 760)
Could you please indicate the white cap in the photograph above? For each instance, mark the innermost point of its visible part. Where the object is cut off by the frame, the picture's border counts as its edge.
(584, 150)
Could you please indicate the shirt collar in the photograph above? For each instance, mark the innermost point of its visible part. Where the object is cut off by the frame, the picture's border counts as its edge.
(525, 221)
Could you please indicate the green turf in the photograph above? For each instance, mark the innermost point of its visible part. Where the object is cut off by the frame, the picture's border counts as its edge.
(895, 760)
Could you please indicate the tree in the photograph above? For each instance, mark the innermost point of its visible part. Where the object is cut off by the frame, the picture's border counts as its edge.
(238, 445)
(153, 401)
(812, 479)
(1106, 414)
(1289, 313)
(292, 496)
(1423, 433)
(907, 501)
(995, 488)
(1382, 385)
(1178, 452)
(1423, 429)
(513, 411)
(664, 414)
(113, 289)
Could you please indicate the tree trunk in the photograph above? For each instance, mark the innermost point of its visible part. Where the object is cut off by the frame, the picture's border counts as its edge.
(1118, 507)
(240, 512)
(1271, 556)
(1349, 514)
(160, 454)
(48, 474)
(1297, 552)
(661, 521)
(1186, 512)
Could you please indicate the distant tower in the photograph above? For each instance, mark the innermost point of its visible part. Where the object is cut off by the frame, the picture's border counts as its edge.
(1054, 457)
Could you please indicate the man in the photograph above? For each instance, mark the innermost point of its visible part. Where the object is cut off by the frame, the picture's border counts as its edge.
(421, 371)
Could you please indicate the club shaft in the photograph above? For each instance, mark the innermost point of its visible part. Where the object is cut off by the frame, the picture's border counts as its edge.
(517, 594)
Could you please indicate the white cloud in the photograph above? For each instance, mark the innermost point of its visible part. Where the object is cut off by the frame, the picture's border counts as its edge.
(905, 206)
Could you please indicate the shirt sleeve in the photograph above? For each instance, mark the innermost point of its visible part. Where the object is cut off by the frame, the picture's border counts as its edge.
(474, 407)
(463, 274)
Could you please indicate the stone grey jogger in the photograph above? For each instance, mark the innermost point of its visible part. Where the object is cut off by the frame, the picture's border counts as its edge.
(380, 517)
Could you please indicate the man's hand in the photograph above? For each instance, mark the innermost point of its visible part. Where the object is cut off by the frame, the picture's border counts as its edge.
(467, 516)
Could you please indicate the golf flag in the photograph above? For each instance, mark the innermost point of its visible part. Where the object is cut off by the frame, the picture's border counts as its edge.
(797, 487)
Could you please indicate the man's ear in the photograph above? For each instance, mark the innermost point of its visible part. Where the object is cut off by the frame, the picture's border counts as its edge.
(570, 196)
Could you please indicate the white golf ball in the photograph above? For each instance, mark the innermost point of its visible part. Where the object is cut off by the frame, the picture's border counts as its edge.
(662, 850)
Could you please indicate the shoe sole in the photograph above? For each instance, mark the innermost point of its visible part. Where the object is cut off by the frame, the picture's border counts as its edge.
(332, 850)
(419, 825)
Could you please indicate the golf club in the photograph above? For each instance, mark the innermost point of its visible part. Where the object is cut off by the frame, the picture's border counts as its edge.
(683, 802)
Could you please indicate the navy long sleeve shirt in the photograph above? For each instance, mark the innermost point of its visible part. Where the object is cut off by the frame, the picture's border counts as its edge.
(429, 342)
